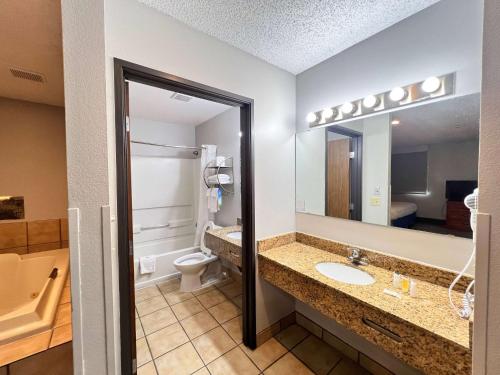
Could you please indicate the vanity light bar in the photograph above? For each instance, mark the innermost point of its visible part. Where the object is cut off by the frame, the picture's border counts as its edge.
(431, 88)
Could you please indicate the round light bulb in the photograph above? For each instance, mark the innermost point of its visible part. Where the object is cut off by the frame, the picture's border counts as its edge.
(397, 94)
(327, 113)
(348, 108)
(311, 117)
(370, 101)
(431, 84)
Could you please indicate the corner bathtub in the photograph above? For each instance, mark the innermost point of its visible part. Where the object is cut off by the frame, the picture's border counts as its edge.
(30, 289)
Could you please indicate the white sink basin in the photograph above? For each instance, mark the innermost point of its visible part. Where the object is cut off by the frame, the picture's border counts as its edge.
(345, 274)
(234, 235)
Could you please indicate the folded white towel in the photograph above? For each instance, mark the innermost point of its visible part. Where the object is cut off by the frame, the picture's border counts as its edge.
(222, 178)
(147, 264)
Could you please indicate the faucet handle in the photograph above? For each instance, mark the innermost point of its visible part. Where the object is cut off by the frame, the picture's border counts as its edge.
(357, 257)
(354, 253)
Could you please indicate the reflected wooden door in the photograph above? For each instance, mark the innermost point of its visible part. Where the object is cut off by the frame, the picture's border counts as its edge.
(338, 178)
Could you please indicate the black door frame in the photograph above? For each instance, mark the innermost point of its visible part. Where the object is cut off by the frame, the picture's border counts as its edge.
(124, 72)
(356, 169)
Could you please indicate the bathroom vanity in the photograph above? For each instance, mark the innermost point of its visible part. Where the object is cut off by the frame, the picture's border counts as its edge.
(225, 243)
(422, 331)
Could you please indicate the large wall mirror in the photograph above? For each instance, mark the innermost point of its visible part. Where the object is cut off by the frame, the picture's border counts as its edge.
(410, 168)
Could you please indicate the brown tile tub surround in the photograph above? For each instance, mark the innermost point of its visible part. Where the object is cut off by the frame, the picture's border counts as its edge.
(223, 246)
(433, 339)
(32, 236)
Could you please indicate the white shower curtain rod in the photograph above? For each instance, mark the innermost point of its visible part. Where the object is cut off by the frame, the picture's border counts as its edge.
(171, 146)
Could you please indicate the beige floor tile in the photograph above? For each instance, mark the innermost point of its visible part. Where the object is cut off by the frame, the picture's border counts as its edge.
(288, 364)
(166, 339)
(234, 362)
(139, 332)
(202, 371)
(231, 290)
(169, 285)
(143, 354)
(177, 297)
(317, 355)
(234, 328)
(136, 315)
(182, 361)
(213, 344)
(151, 305)
(266, 354)
(157, 320)
(204, 290)
(211, 298)
(146, 293)
(198, 324)
(147, 369)
(348, 367)
(187, 308)
(238, 301)
(292, 335)
(224, 311)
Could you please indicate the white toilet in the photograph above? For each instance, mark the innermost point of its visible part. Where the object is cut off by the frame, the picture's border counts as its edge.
(193, 265)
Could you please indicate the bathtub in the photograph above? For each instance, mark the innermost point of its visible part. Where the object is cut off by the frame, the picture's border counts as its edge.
(165, 269)
(30, 289)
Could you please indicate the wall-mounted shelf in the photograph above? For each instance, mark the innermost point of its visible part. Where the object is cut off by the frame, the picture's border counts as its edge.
(219, 174)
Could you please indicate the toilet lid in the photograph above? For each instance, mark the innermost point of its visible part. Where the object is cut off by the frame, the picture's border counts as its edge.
(205, 250)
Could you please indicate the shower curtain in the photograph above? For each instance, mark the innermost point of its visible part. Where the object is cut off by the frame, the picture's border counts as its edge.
(208, 153)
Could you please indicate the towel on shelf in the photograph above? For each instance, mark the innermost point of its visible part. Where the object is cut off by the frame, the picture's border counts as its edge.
(147, 264)
(222, 178)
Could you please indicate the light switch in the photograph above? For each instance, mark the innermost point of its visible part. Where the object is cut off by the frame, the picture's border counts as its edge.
(375, 201)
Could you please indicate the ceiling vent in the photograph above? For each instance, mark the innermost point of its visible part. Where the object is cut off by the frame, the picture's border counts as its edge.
(181, 97)
(25, 74)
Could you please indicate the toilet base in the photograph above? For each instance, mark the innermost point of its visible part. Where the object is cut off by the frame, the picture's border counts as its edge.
(190, 282)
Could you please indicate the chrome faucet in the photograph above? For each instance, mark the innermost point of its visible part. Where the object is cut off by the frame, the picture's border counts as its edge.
(357, 257)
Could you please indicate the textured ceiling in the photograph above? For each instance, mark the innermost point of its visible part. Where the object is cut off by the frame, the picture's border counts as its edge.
(291, 34)
(152, 103)
(30, 39)
(452, 120)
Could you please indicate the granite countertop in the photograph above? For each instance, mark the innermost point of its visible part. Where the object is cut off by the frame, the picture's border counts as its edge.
(222, 234)
(430, 310)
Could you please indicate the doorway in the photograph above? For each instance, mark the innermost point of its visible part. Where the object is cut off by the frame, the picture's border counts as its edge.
(128, 73)
(344, 160)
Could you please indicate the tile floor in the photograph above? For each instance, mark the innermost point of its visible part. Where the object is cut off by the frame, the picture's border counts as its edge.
(200, 333)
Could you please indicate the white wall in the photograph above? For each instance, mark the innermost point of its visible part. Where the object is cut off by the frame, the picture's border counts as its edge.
(144, 36)
(33, 151)
(446, 161)
(443, 38)
(223, 130)
(310, 149)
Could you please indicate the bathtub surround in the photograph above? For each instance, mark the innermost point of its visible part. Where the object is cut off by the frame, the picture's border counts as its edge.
(33, 154)
(169, 200)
